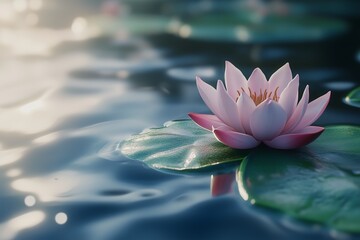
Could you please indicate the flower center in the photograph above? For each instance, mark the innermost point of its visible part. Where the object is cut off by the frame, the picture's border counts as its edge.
(260, 97)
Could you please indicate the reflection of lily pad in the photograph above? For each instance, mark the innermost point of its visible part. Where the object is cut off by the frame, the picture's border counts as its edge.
(353, 98)
(179, 145)
(319, 183)
(251, 28)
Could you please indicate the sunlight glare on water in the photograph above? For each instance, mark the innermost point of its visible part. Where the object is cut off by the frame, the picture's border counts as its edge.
(11, 228)
(61, 218)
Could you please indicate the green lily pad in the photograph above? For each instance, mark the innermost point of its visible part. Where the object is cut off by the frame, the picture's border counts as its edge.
(249, 27)
(179, 145)
(319, 183)
(353, 98)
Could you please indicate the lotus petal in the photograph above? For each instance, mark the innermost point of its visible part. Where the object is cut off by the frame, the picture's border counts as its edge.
(234, 80)
(296, 140)
(227, 108)
(298, 113)
(206, 121)
(246, 107)
(267, 120)
(235, 139)
(314, 111)
(208, 94)
(280, 78)
(257, 81)
(289, 97)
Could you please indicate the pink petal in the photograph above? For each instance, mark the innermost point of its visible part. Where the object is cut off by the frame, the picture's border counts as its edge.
(245, 106)
(314, 111)
(223, 128)
(257, 81)
(298, 113)
(206, 121)
(234, 80)
(268, 120)
(280, 78)
(289, 97)
(295, 140)
(227, 108)
(208, 94)
(235, 139)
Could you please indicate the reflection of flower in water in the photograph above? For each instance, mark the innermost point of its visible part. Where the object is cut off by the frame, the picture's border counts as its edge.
(252, 111)
(221, 184)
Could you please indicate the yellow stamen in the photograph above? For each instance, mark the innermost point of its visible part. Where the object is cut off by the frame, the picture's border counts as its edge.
(261, 97)
(276, 98)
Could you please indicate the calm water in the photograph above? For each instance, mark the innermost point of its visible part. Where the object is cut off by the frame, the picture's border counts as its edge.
(64, 111)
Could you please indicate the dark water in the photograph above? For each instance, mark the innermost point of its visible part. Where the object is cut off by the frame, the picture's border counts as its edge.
(65, 108)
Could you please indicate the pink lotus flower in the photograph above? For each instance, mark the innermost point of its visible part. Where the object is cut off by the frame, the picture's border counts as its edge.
(248, 112)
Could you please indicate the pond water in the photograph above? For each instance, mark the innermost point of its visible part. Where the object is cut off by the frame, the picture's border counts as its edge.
(66, 105)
